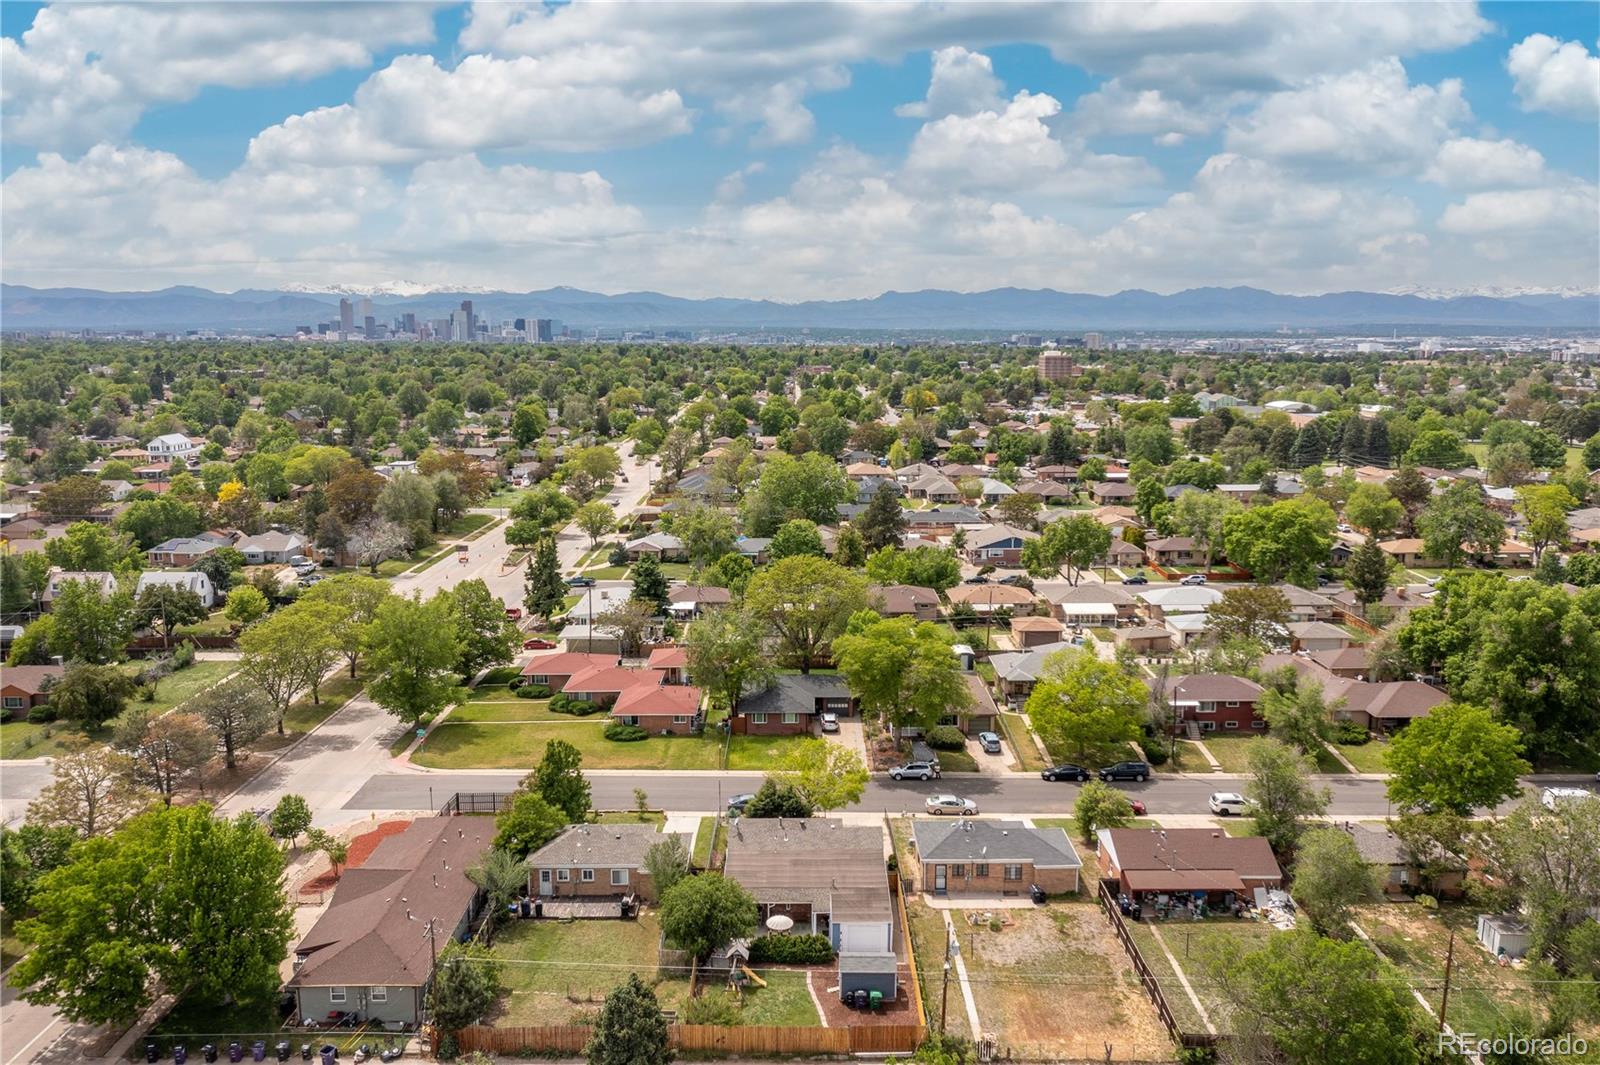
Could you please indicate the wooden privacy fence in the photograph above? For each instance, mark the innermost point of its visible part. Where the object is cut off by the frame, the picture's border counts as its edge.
(751, 1039)
(1152, 987)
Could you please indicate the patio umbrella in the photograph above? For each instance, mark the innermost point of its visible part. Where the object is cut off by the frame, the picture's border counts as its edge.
(779, 923)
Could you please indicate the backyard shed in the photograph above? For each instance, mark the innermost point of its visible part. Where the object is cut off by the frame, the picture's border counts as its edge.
(1503, 934)
(875, 971)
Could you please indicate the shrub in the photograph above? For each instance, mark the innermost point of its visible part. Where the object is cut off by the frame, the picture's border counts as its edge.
(624, 733)
(804, 949)
(945, 738)
(183, 657)
(1155, 754)
(1349, 732)
(618, 556)
(1427, 902)
(533, 691)
(146, 693)
(711, 1008)
(504, 675)
(565, 704)
(39, 715)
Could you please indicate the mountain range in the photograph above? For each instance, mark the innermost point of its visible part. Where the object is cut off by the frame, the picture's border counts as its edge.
(1002, 309)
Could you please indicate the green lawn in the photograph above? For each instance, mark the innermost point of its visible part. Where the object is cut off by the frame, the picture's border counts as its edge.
(194, 1022)
(784, 1002)
(1015, 729)
(1070, 826)
(1234, 753)
(630, 817)
(677, 571)
(1197, 946)
(1367, 757)
(703, 847)
(559, 972)
(467, 524)
(481, 744)
(957, 761)
(512, 710)
(607, 573)
(21, 739)
(215, 625)
(179, 687)
(303, 716)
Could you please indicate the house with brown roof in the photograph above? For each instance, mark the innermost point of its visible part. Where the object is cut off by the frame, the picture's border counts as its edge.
(904, 600)
(1382, 707)
(1317, 636)
(1111, 491)
(671, 662)
(1187, 861)
(1174, 551)
(24, 687)
(988, 598)
(1216, 701)
(1397, 869)
(1407, 550)
(367, 954)
(692, 600)
(1144, 639)
(596, 862)
(1093, 603)
(1032, 631)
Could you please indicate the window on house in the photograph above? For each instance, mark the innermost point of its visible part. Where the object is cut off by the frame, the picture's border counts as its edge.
(336, 994)
(619, 877)
(1258, 723)
(563, 875)
(539, 678)
(586, 875)
(758, 719)
(1233, 702)
(13, 702)
(1013, 872)
(1208, 726)
(378, 994)
(1230, 724)
(981, 869)
(1206, 708)
(958, 870)
(790, 717)
(679, 719)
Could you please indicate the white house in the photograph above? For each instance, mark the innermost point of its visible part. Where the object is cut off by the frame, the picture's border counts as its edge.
(195, 581)
(271, 546)
(171, 447)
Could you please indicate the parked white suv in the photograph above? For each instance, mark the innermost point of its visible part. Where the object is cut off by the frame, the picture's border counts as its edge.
(1224, 803)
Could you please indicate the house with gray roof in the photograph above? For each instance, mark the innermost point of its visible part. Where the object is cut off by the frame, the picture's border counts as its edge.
(662, 546)
(792, 703)
(970, 856)
(596, 861)
(1018, 671)
(193, 580)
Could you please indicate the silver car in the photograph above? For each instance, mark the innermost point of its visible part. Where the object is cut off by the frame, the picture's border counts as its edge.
(953, 805)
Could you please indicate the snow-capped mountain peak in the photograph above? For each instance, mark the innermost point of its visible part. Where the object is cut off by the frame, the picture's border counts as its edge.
(400, 289)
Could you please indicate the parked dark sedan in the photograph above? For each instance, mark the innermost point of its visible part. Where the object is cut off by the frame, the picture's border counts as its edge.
(1137, 578)
(1066, 771)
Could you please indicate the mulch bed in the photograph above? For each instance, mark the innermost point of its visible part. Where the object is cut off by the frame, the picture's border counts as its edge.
(361, 848)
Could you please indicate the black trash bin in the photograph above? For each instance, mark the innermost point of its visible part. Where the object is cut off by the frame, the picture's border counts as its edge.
(1036, 893)
(283, 1050)
(235, 1052)
(209, 1052)
(538, 907)
(152, 1051)
(180, 1054)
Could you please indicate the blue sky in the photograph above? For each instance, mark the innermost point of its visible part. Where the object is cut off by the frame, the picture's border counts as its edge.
(795, 151)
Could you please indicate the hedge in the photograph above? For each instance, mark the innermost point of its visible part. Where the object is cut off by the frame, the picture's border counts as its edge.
(946, 738)
(625, 733)
(532, 691)
(803, 949)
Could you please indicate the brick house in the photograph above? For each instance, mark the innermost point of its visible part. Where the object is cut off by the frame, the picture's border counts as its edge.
(1216, 701)
(987, 598)
(554, 670)
(967, 856)
(672, 663)
(1187, 860)
(997, 545)
(1033, 631)
(596, 861)
(904, 600)
(24, 687)
(791, 705)
(180, 552)
(1111, 491)
(1174, 551)
(662, 709)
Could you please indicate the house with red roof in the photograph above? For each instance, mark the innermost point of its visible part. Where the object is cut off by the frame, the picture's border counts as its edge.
(666, 709)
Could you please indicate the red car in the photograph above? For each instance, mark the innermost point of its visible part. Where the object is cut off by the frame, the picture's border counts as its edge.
(514, 613)
(1138, 807)
(537, 645)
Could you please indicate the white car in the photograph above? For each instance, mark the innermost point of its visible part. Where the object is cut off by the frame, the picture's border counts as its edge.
(830, 722)
(951, 804)
(1552, 797)
(1224, 803)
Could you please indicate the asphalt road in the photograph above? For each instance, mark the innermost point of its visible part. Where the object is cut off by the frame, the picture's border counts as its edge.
(706, 792)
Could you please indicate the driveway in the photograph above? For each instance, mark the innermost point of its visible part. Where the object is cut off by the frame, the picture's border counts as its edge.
(852, 734)
(991, 765)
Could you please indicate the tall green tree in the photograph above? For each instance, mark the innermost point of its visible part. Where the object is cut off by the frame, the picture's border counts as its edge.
(1304, 999)
(805, 602)
(727, 656)
(237, 712)
(1077, 542)
(487, 637)
(649, 583)
(413, 649)
(91, 792)
(163, 608)
(831, 776)
(1457, 522)
(1250, 612)
(796, 537)
(1367, 573)
(883, 523)
(1281, 793)
(1299, 716)
(1098, 806)
(701, 913)
(527, 823)
(1372, 508)
(1458, 758)
(466, 985)
(1546, 859)
(1330, 877)
(544, 592)
(89, 696)
(903, 670)
(176, 900)
(596, 519)
(559, 778)
(1084, 707)
(285, 654)
(1201, 517)
(630, 1029)
(356, 598)
(1281, 540)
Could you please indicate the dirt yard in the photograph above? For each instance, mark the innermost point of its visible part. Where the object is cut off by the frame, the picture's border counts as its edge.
(361, 848)
(1054, 983)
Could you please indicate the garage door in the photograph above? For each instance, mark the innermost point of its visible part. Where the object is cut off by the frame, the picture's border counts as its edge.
(863, 938)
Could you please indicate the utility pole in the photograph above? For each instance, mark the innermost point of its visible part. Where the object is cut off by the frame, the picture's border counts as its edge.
(944, 995)
(1449, 958)
(433, 945)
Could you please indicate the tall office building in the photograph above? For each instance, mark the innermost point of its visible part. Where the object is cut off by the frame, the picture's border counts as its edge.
(408, 322)
(1094, 341)
(363, 308)
(347, 317)
(369, 326)
(1055, 365)
(471, 320)
(460, 325)
(542, 330)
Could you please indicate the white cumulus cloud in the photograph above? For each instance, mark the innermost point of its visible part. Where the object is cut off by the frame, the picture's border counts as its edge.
(1473, 163)
(1558, 76)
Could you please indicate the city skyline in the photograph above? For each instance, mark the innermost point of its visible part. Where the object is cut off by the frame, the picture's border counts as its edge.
(799, 152)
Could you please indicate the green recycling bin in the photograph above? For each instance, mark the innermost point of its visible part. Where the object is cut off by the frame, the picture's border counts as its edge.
(875, 1000)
